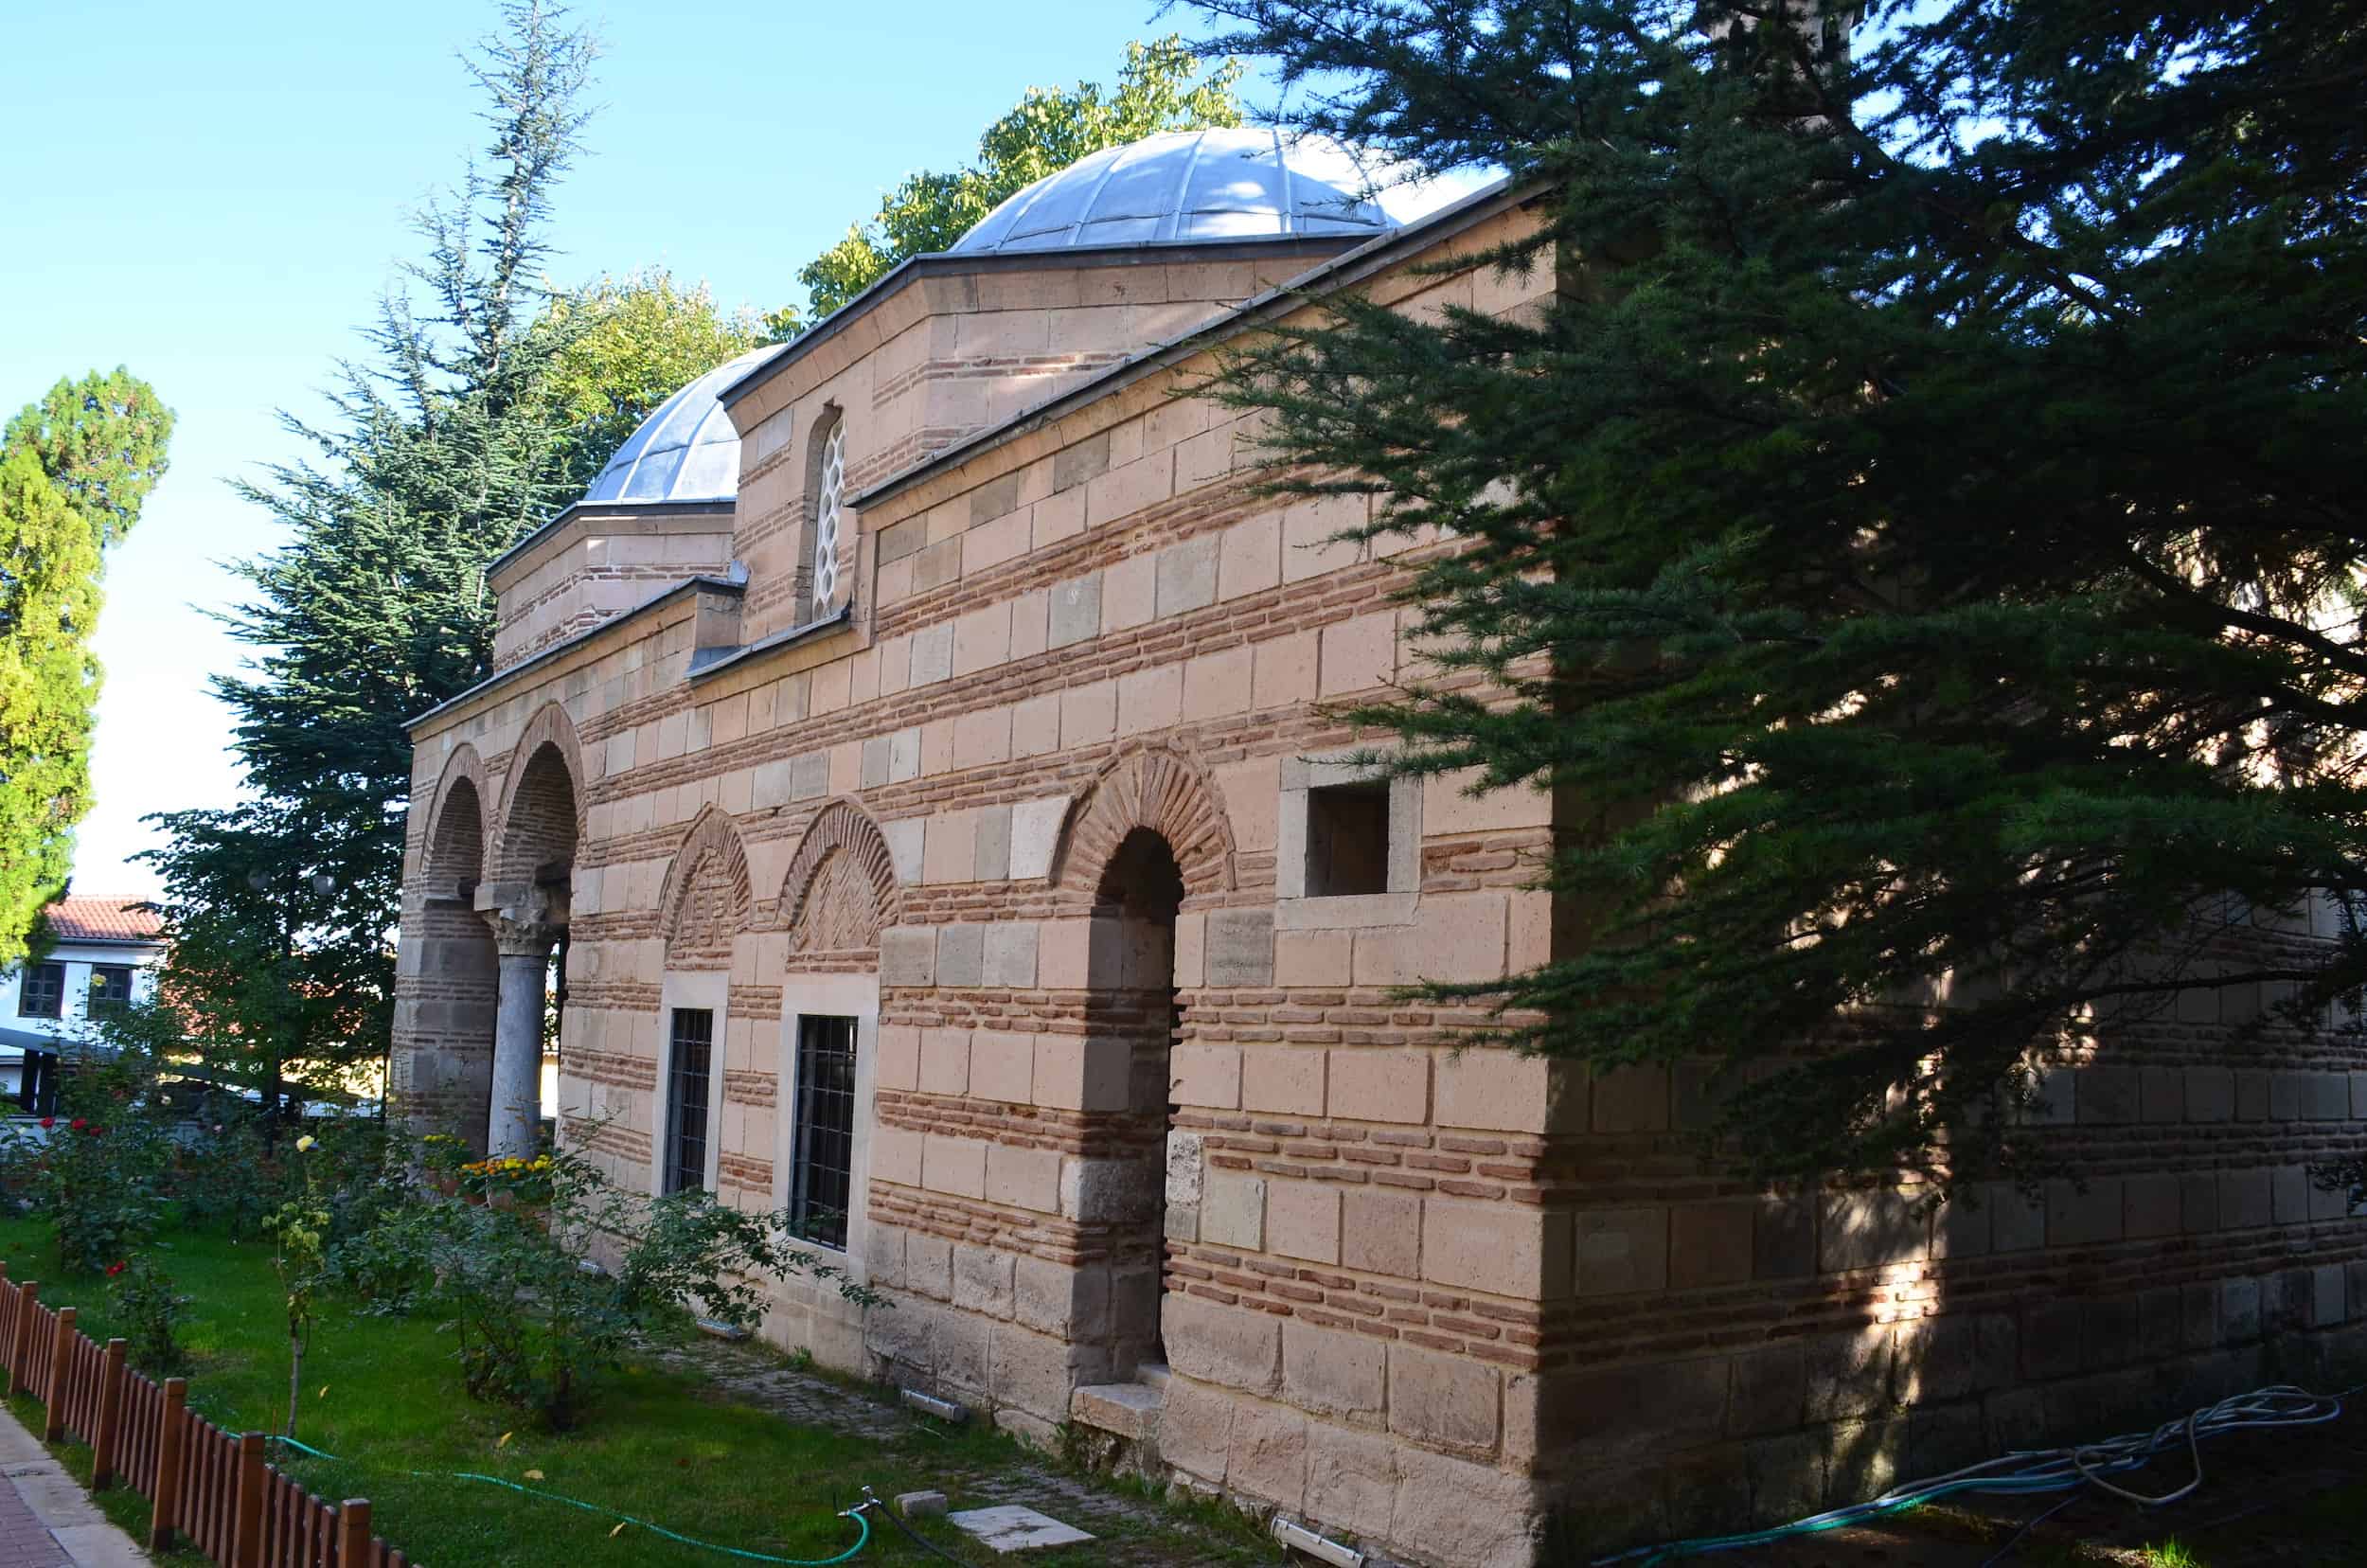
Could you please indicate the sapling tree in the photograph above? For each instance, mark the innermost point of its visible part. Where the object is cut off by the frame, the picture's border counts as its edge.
(299, 1237)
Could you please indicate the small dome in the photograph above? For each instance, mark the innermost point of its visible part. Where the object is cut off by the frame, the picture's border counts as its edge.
(687, 451)
(1184, 186)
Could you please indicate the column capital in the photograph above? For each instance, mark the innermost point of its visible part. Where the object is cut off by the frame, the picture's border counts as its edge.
(514, 937)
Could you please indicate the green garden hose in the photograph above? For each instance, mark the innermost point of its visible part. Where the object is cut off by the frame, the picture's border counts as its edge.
(862, 1525)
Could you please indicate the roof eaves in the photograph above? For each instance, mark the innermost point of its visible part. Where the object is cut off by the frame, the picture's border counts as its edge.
(501, 677)
(568, 513)
(707, 661)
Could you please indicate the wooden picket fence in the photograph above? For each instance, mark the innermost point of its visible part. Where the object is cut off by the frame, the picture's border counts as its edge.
(211, 1488)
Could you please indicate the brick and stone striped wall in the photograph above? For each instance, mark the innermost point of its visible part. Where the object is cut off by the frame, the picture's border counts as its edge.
(1436, 1297)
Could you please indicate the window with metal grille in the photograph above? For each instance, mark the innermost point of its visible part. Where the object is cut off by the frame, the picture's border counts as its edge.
(689, 1066)
(821, 1163)
(42, 992)
(110, 988)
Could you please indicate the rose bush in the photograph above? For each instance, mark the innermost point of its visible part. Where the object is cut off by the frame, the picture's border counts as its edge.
(150, 1309)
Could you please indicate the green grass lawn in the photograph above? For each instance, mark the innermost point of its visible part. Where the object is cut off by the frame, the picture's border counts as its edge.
(383, 1394)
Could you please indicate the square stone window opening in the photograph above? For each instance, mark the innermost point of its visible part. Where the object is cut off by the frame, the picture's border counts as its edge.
(1347, 840)
(822, 1147)
(1349, 849)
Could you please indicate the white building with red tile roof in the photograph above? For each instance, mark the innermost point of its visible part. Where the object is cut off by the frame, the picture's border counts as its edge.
(103, 954)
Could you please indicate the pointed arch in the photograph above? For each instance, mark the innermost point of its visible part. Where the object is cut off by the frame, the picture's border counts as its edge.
(455, 851)
(841, 888)
(708, 896)
(1154, 788)
(542, 812)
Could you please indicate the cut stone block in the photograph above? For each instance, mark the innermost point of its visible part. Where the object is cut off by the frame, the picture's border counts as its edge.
(1012, 1528)
(1035, 832)
(1240, 947)
(1129, 1409)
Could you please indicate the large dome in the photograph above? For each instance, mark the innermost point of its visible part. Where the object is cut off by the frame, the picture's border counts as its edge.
(1185, 186)
(687, 451)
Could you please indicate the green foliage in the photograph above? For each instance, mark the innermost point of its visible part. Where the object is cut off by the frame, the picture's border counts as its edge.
(1160, 87)
(270, 981)
(299, 1236)
(74, 469)
(438, 459)
(49, 683)
(101, 442)
(150, 1309)
(534, 1324)
(94, 1171)
(676, 1438)
(486, 403)
(616, 348)
(390, 1266)
(1916, 539)
(224, 1175)
(511, 1178)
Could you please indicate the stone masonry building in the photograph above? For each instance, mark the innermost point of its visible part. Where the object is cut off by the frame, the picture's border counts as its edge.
(917, 746)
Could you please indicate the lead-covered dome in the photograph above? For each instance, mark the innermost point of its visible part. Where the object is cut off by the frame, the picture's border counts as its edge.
(688, 450)
(1185, 186)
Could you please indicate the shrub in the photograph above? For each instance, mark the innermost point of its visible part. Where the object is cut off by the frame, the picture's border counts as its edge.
(225, 1169)
(534, 1323)
(391, 1265)
(94, 1170)
(150, 1311)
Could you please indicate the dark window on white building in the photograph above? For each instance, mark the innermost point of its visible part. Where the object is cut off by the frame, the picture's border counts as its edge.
(110, 988)
(42, 993)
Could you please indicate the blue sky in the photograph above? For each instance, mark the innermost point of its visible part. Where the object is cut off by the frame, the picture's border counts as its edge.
(216, 195)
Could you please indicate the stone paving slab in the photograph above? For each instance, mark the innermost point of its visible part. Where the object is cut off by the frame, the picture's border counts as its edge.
(1012, 1528)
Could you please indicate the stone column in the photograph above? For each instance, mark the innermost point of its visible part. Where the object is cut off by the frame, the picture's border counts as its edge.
(516, 1108)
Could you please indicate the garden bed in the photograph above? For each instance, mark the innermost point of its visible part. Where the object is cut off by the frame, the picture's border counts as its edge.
(660, 1443)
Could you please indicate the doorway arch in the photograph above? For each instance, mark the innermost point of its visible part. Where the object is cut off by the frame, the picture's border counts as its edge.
(1144, 843)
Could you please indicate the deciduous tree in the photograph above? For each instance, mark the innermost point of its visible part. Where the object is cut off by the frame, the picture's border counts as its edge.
(618, 347)
(1161, 87)
(276, 976)
(75, 468)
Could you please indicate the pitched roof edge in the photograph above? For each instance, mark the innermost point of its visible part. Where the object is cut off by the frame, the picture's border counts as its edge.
(1350, 266)
(932, 263)
(574, 508)
(564, 645)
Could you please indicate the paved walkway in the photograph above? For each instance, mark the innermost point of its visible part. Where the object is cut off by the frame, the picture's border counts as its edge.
(46, 1519)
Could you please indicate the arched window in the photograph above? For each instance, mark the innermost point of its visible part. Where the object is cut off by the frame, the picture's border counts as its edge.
(830, 492)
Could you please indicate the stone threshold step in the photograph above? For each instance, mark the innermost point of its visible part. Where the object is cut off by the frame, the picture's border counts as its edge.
(1129, 1410)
